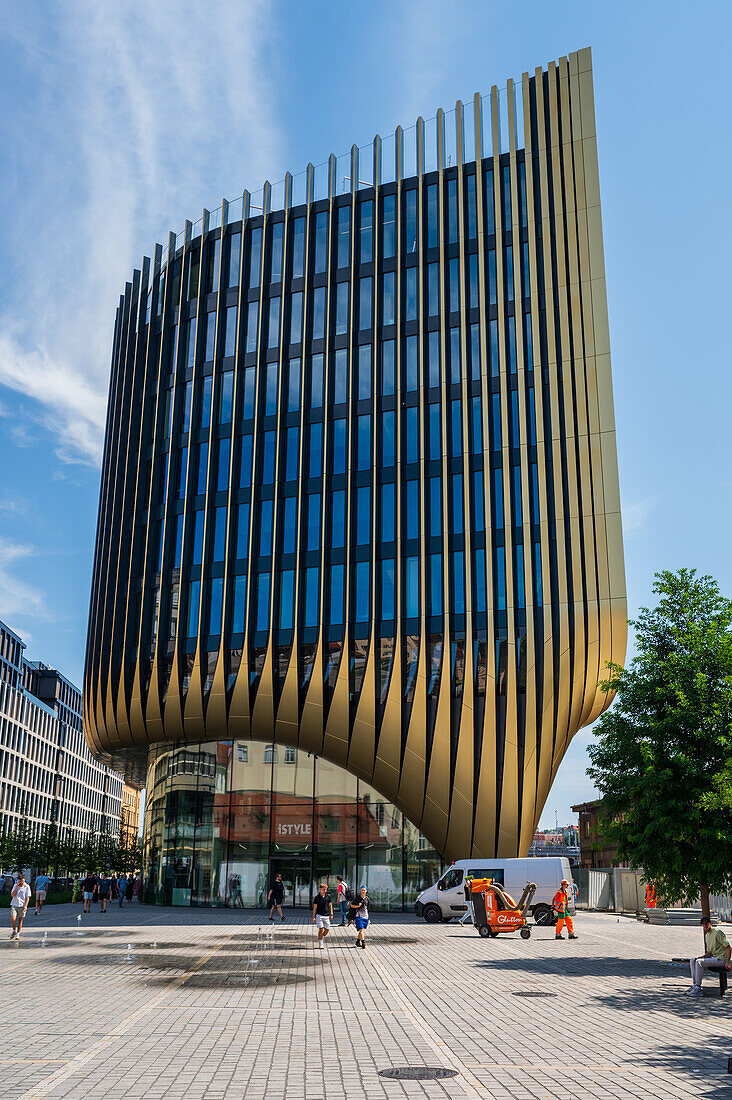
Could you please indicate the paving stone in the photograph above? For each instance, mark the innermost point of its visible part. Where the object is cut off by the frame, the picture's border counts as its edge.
(221, 1009)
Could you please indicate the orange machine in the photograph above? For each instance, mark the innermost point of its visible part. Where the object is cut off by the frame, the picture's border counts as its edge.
(495, 911)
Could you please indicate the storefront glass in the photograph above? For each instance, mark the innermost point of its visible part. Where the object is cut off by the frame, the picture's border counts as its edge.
(222, 819)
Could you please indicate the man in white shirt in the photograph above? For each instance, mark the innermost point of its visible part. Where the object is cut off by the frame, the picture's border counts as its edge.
(19, 899)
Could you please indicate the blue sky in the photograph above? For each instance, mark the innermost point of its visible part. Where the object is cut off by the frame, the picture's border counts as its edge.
(120, 121)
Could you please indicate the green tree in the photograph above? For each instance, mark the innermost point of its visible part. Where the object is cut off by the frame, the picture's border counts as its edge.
(663, 756)
(23, 845)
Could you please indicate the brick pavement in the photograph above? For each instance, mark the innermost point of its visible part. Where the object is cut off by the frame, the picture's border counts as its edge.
(216, 1004)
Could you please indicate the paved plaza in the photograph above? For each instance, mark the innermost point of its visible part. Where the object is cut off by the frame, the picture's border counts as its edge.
(155, 1003)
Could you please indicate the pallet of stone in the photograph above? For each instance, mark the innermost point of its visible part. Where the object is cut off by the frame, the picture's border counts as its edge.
(678, 916)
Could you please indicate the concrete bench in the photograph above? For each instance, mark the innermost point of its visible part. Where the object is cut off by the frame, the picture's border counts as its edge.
(718, 968)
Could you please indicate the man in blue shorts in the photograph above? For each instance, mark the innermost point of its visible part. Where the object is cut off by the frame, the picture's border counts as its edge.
(361, 916)
(40, 886)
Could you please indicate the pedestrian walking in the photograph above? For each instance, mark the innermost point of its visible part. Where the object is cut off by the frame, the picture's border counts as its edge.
(343, 898)
(468, 914)
(89, 889)
(129, 888)
(41, 886)
(322, 913)
(717, 952)
(560, 905)
(104, 889)
(359, 913)
(121, 885)
(276, 896)
(76, 890)
(19, 897)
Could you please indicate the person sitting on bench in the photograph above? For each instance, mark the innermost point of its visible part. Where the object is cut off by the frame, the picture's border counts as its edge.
(717, 955)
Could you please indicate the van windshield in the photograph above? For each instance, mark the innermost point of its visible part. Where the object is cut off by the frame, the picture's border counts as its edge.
(496, 873)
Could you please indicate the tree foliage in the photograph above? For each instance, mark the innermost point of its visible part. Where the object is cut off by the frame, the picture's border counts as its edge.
(663, 756)
(69, 853)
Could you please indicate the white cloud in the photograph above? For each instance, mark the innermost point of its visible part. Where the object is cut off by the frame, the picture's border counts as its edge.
(16, 597)
(635, 515)
(133, 119)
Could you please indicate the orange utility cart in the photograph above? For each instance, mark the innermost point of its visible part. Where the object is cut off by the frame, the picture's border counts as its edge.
(495, 911)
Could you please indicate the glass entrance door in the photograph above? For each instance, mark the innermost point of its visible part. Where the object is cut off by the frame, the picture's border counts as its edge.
(296, 874)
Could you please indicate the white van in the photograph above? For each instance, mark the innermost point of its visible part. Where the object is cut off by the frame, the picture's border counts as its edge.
(446, 898)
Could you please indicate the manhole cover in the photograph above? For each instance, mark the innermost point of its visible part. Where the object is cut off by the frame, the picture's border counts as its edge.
(532, 993)
(417, 1073)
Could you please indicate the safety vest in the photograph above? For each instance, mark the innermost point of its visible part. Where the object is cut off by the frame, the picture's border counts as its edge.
(561, 901)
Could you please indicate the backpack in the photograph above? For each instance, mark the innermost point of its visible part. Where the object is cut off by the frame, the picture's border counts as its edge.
(347, 891)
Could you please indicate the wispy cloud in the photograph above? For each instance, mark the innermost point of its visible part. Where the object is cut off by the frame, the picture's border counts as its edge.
(130, 118)
(16, 597)
(635, 516)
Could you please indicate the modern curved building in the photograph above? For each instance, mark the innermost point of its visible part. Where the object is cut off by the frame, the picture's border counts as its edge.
(360, 505)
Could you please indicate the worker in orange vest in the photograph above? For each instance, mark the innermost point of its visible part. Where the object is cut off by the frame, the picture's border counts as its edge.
(560, 905)
(650, 896)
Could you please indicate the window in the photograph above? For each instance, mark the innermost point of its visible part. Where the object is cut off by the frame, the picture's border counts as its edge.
(210, 336)
(519, 575)
(296, 318)
(197, 555)
(411, 363)
(255, 257)
(499, 570)
(190, 338)
(475, 352)
(311, 596)
(456, 428)
(387, 438)
(366, 232)
(242, 754)
(387, 512)
(412, 587)
(293, 385)
(321, 241)
(434, 431)
(365, 302)
(410, 294)
(498, 499)
(344, 235)
(226, 397)
(411, 433)
(389, 226)
(362, 591)
(245, 466)
(222, 473)
(364, 442)
(262, 617)
(387, 589)
(273, 338)
(433, 359)
(506, 197)
(233, 262)
(270, 392)
(202, 469)
(480, 587)
(215, 603)
(291, 453)
(316, 382)
(265, 528)
(336, 595)
(341, 308)
(473, 286)
(435, 584)
(433, 290)
(289, 755)
(313, 531)
(452, 211)
(340, 394)
(276, 257)
(268, 458)
(298, 248)
(339, 446)
(252, 324)
(242, 531)
(338, 519)
(270, 754)
(457, 504)
(455, 360)
(289, 526)
(388, 371)
(194, 595)
(412, 510)
(318, 313)
(410, 221)
(433, 226)
(454, 281)
(458, 584)
(471, 207)
(363, 515)
(435, 507)
(387, 301)
(287, 589)
(316, 450)
(230, 337)
(477, 426)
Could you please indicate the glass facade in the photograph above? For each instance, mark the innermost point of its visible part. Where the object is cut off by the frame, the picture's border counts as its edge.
(359, 485)
(222, 819)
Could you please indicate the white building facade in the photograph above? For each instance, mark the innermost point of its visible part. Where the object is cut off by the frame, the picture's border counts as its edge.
(46, 769)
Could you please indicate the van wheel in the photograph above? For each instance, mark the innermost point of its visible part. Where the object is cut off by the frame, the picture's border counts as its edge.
(525, 933)
(544, 914)
(432, 914)
(484, 931)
